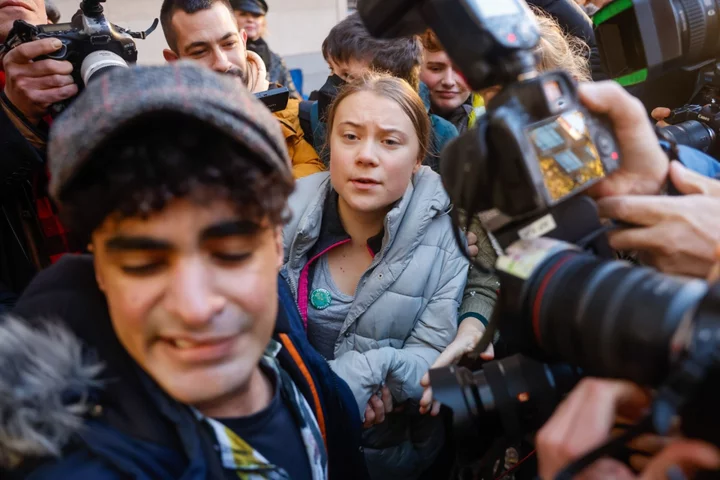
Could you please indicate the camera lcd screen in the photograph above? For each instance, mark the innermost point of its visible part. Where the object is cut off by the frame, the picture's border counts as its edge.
(567, 155)
(496, 8)
(61, 27)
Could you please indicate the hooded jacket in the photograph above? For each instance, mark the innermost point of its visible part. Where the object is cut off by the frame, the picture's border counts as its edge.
(403, 316)
(131, 428)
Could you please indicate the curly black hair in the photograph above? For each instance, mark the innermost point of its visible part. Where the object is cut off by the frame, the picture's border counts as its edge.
(162, 157)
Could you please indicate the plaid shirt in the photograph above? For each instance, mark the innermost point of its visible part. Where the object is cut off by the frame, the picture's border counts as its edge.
(249, 464)
(55, 238)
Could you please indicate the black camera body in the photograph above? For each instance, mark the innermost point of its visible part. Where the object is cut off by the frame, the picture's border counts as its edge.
(89, 42)
(536, 147)
(491, 41)
(696, 126)
(643, 39)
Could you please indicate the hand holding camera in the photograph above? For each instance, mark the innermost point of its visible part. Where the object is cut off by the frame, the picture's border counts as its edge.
(644, 166)
(33, 86)
(677, 235)
(585, 419)
(47, 65)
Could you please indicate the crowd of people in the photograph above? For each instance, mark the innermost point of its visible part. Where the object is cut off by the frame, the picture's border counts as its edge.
(194, 287)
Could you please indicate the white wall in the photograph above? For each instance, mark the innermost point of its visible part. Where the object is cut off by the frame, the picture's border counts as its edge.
(297, 29)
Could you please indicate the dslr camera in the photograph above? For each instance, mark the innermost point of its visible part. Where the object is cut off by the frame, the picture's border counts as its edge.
(698, 124)
(566, 308)
(643, 39)
(537, 146)
(90, 43)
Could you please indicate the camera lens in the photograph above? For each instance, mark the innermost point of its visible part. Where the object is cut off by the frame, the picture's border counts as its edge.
(610, 318)
(512, 396)
(698, 22)
(691, 133)
(98, 63)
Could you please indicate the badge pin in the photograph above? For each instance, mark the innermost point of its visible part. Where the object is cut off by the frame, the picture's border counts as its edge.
(320, 299)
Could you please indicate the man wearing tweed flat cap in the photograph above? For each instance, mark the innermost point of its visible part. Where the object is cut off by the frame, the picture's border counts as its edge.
(206, 31)
(178, 177)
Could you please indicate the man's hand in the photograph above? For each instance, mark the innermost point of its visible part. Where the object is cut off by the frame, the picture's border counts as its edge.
(583, 422)
(643, 164)
(33, 86)
(377, 407)
(677, 235)
(469, 334)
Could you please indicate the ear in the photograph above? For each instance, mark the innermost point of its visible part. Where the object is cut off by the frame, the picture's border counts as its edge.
(99, 278)
(243, 35)
(418, 164)
(170, 56)
(279, 246)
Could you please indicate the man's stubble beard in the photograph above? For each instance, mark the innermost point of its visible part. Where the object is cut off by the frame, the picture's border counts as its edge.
(240, 73)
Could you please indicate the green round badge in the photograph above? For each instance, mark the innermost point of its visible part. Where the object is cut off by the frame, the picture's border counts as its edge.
(320, 299)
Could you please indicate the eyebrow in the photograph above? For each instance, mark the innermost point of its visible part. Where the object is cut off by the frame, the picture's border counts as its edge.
(383, 129)
(205, 44)
(436, 64)
(230, 229)
(126, 243)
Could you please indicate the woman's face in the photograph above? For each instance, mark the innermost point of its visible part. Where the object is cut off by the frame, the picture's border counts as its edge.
(448, 90)
(252, 23)
(374, 151)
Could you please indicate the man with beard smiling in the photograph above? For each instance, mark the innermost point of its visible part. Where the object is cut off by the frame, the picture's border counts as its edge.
(179, 180)
(207, 32)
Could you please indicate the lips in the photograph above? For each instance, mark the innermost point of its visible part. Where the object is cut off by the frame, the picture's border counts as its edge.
(364, 183)
(13, 3)
(446, 94)
(368, 181)
(190, 350)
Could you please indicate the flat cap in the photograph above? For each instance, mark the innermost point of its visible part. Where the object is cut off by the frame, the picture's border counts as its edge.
(123, 95)
(258, 7)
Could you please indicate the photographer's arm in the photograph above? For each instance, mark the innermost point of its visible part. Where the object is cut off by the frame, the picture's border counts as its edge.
(584, 421)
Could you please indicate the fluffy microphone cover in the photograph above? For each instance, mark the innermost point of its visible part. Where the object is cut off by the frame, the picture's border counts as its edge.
(44, 382)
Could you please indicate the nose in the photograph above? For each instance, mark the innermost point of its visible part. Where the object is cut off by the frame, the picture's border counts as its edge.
(190, 296)
(449, 79)
(367, 154)
(221, 64)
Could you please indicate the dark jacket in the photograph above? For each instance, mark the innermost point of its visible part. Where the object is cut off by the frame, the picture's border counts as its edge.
(278, 72)
(143, 433)
(21, 253)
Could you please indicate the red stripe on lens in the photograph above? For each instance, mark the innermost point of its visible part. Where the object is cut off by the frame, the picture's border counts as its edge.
(537, 306)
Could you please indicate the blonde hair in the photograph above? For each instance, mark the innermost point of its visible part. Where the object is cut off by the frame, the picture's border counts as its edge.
(392, 88)
(558, 50)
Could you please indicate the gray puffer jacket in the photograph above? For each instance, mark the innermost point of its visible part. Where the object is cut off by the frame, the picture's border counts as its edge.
(403, 315)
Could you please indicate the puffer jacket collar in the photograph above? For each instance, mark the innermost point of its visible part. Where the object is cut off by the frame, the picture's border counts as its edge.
(404, 229)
